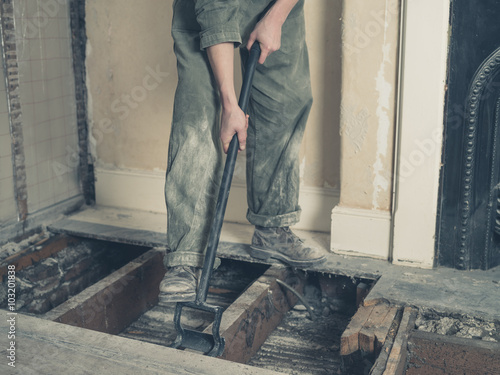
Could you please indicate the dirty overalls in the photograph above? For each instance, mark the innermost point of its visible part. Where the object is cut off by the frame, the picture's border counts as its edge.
(279, 105)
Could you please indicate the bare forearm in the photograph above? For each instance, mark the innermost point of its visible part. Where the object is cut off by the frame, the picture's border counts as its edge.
(281, 9)
(221, 57)
(233, 120)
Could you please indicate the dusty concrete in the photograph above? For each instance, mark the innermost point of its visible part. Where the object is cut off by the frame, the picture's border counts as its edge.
(448, 291)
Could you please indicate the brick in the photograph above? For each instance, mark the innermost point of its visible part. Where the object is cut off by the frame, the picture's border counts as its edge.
(44, 270)
(48, 286)
(60, 295)
(78, 268)
(38, 306)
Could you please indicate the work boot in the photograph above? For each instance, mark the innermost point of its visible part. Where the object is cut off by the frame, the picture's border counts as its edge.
(179, 285)
(282, 244)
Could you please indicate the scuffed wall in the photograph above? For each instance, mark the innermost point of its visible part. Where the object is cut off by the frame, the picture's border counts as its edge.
(131, 78)
(321, 147)
(47, 101)
(8, 209)
(370, 38)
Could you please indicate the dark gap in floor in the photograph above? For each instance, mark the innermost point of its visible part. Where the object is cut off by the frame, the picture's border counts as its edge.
(300, 345)
(54, 279)
(227, 283)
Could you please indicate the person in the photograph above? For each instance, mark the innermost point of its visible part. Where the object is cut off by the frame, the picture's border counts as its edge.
(205, 34)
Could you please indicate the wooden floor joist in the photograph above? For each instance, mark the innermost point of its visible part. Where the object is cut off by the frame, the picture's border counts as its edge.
(247, 323)
(368, 329)
(349, 342)
(43, 347)
(374, 331)
(397, 357)
(431, 354)
(117, 300)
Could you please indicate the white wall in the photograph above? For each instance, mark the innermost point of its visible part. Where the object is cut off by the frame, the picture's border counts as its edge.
(420, 131)
(8, 209)
(47, 98)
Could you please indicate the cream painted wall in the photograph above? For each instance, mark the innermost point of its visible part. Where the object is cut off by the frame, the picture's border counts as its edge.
(361, 223)
(131, 76)
(370, 61)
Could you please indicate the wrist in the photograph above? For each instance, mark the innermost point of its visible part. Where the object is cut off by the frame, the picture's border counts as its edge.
(228, 102)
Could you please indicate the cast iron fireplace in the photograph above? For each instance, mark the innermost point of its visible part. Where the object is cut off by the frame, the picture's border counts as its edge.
(469, 205)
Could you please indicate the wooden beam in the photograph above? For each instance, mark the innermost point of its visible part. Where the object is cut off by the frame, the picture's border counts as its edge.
(116, 301)
(380, 363)
(430, 353)
(381, 331)
(374, 331)
(397, 358)
(45, 347)
(247, 323)
(349, 341)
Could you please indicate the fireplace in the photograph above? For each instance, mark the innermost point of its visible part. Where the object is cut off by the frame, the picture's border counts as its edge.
(469, 204)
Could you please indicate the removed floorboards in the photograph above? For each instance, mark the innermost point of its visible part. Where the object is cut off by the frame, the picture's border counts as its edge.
(442, 290)
(46, 348)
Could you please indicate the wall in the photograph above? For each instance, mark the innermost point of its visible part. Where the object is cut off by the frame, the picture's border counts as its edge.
(131, 81)
(8, 209)
(41, 129)
(47, 96)
(361, 223)
(422, 112)
(371, 35)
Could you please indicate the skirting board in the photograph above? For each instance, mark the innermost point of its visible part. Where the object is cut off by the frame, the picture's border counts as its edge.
(143, 190)
(359, 232)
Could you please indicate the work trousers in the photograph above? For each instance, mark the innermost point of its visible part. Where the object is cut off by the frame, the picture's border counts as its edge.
(279, 105)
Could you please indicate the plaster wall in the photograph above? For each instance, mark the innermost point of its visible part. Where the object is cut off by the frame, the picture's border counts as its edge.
(361, 223)
(8, 209)
(47, 100)
(369, 85)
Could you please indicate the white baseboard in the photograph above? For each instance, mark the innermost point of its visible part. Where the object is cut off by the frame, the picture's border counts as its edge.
(143, 190)
(135, 190)
(359, 232)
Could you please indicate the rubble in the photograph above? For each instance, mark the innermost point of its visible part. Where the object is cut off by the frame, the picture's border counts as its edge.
(459, 326)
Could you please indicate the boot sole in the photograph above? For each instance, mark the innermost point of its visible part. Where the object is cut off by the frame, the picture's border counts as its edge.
(265, 255)
(164, 299)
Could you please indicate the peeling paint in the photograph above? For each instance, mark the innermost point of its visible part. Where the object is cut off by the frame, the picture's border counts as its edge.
(384, 90)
